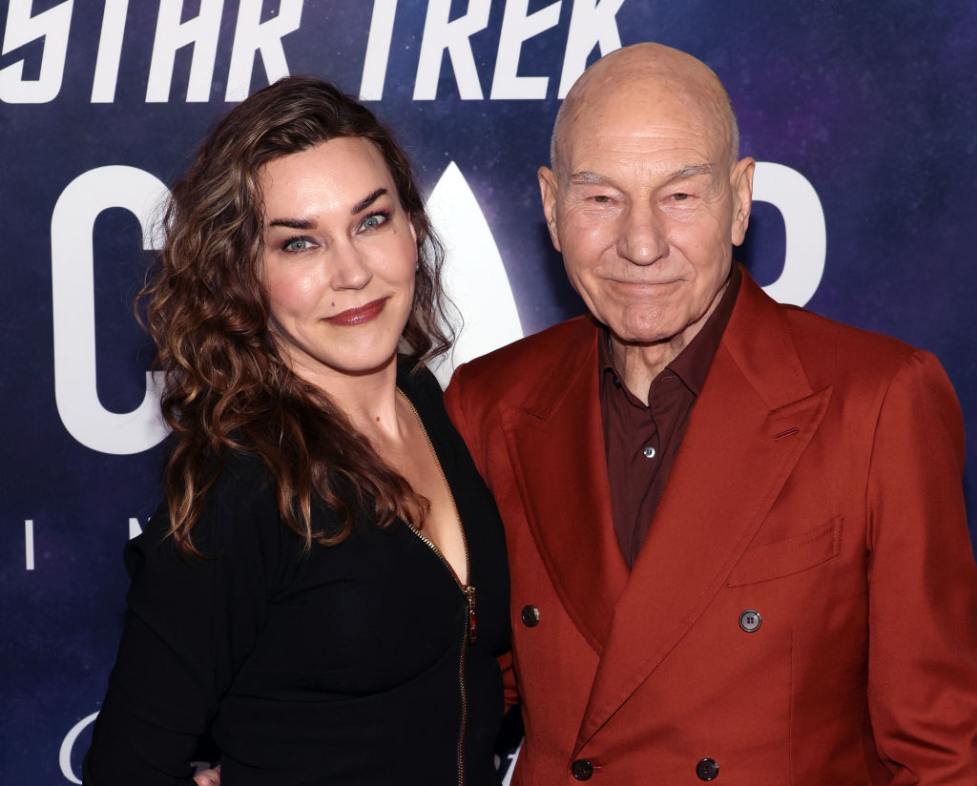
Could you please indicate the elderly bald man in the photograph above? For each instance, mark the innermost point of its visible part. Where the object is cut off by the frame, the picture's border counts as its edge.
(736, 530)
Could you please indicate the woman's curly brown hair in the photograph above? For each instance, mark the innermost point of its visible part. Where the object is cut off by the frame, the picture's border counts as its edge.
(227, 386)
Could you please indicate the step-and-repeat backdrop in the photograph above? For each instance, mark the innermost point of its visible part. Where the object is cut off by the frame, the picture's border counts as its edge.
(862, 117)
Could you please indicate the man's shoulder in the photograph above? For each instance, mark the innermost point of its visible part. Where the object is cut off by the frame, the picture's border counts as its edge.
(821, 338)
(851, 358)
(520, 373)
(530, 360)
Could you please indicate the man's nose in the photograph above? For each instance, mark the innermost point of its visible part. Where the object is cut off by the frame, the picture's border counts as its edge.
(642, 237)
(350, 269)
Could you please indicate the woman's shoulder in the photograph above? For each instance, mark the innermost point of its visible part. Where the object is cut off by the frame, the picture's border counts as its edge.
(239, 505)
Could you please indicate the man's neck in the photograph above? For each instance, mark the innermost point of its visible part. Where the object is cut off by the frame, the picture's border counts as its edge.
(638, 365)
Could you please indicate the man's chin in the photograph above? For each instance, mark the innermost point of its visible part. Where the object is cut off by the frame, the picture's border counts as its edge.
(642, 335)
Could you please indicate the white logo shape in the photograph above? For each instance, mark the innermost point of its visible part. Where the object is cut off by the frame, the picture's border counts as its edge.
(473, 276)
(806, 235)
(64, 755)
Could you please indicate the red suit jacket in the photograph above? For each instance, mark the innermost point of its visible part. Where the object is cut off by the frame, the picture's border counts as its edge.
(804, 609)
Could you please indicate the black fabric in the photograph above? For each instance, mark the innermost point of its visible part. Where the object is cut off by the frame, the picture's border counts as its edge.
(340, 666)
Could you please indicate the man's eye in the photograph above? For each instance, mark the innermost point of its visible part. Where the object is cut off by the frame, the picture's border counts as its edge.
(296, 244)
(601, 199)
(680, 197)
(375, 220)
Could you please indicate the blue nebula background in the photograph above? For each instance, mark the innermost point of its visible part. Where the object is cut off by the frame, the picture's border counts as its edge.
(873, 102)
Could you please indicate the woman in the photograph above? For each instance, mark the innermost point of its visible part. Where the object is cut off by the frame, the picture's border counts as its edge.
(307, 593)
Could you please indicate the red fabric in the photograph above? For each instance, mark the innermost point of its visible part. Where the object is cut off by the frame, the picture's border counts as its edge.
(818, 483)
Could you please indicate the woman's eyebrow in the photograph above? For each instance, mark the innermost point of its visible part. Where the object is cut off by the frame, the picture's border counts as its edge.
(293, 223)
(308, 223)
(364, 203)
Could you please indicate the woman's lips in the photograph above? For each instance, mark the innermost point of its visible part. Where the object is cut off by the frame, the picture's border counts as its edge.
(359, 315)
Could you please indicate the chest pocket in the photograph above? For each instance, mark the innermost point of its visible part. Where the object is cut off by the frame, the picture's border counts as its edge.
(791, 555)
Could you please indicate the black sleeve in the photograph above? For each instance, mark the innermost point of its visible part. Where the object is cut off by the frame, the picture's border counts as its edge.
(189, 625)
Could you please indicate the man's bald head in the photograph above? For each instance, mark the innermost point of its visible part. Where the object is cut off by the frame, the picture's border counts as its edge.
(647, 79)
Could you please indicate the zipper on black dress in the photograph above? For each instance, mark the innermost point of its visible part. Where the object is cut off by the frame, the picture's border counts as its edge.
(470, 632)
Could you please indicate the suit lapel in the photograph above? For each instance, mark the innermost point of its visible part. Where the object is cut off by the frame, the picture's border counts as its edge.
(556, 446)
(753, 420)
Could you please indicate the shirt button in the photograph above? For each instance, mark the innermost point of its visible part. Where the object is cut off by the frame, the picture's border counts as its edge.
(582, 769)
(530, 616)
(707, 769)
(750, 620)
(649, 451)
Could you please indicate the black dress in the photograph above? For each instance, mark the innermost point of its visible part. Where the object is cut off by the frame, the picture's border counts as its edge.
(347, 665)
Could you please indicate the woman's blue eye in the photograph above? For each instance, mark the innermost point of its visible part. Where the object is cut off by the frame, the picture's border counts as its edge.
(374, 220)
(296, 244)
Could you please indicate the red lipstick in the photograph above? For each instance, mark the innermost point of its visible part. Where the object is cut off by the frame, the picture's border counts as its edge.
(359, 315)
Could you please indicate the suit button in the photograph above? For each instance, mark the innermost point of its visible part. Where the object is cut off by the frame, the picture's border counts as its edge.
(530, 616)
(750, 620)
(707, 769)
(582, 769)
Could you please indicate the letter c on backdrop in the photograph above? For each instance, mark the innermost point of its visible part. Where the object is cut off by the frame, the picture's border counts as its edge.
(73, 293)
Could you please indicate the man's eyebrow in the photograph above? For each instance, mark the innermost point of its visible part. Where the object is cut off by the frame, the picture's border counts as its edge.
(364, 203)
(692, 170)
(586, 178)
(293, 223)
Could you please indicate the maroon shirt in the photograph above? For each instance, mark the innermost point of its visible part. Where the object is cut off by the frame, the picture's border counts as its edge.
(641, 441)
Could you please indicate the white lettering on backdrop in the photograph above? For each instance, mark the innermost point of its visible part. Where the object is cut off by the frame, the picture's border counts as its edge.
(73, 295)
(592, 23)
(171, 34)
(109, 51)
(440, 35)
(22, 28)
(378, 50)
(519, 26)
(806, 236)
(252, 36)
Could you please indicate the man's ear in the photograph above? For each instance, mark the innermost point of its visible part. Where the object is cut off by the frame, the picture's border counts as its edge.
(547, 192)
(741, 184)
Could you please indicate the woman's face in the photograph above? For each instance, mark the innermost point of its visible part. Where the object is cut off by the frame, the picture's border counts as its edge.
(338, 259)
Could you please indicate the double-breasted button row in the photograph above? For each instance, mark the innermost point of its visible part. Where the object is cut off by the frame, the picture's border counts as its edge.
(529, 616)
(707, 769)
(582, 769)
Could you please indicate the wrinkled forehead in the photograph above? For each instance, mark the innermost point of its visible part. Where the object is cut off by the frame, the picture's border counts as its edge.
(637, 117)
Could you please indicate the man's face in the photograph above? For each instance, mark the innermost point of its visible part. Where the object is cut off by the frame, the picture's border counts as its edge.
(645, 209)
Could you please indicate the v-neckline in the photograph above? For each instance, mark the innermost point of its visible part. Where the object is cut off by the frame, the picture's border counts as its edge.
(465, 584)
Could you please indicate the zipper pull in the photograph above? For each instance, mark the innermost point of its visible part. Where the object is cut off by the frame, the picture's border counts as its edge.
(472, 616)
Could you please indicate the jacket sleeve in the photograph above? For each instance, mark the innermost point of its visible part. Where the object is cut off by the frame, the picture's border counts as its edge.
(922, 676)
(190, 623)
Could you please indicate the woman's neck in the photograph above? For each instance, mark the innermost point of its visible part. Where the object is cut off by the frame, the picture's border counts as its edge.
(369, 399)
